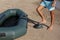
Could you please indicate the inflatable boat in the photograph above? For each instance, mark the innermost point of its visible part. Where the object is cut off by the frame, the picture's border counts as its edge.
(13, 24)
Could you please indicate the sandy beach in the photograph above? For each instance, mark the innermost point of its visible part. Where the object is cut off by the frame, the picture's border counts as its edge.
(29, 7)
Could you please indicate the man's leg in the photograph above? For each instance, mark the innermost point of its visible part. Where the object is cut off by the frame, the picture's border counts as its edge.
(52, 20)
(39, 10)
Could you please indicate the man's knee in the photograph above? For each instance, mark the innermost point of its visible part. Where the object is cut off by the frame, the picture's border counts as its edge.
(38, 9)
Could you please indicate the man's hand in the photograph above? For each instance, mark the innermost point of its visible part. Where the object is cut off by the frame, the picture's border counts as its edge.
(53, 5)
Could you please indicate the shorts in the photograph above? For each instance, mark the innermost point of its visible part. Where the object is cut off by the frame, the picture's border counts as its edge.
(47, 4)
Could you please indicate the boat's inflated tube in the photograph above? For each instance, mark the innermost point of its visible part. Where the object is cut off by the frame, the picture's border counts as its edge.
(13, 24)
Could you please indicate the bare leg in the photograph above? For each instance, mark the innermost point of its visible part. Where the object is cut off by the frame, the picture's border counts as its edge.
(39, 10)
(52, 20)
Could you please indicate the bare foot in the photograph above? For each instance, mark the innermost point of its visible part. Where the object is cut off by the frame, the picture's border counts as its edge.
(43, 22)
(50, 28)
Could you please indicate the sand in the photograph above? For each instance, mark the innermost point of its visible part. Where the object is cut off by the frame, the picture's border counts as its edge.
(29, 7)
